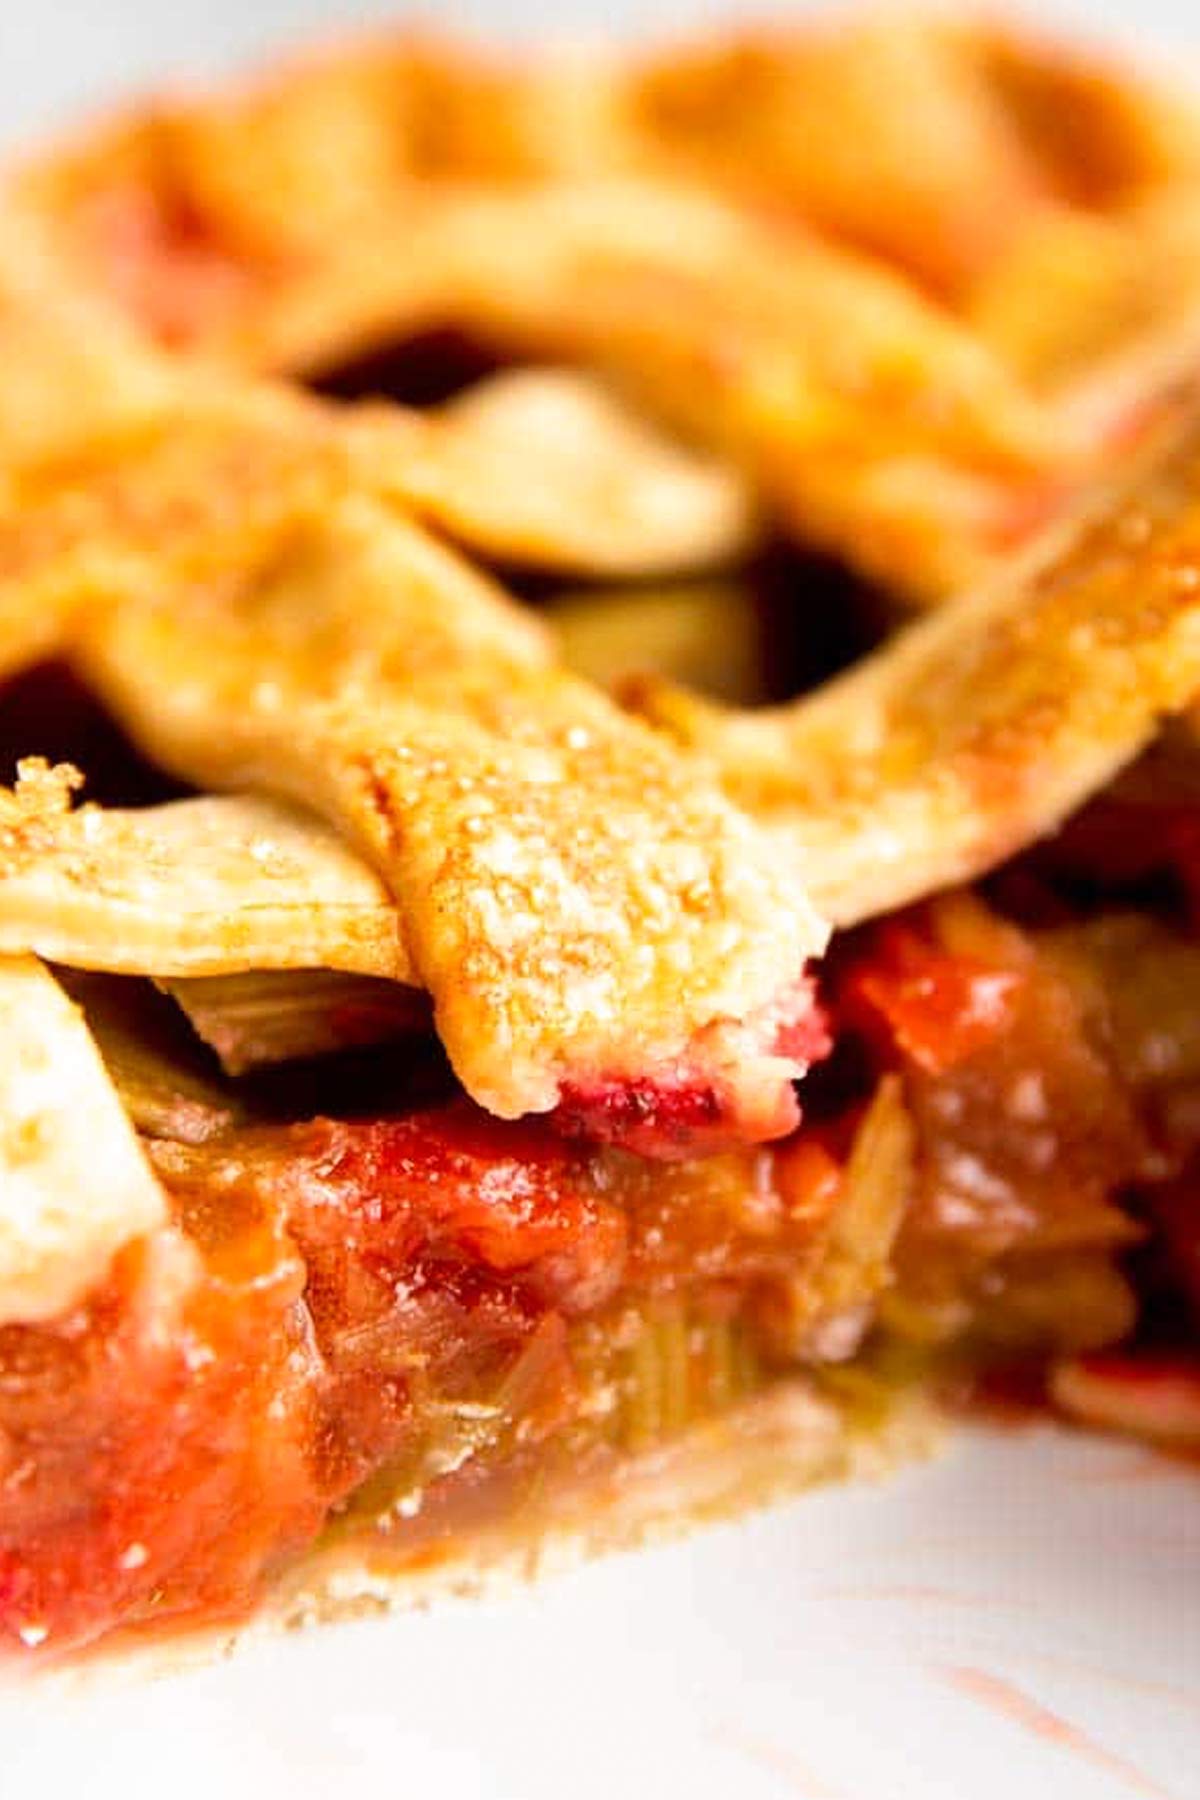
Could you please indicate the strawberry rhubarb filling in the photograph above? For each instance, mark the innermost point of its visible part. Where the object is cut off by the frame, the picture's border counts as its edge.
(737, 1087)
(397, 1326)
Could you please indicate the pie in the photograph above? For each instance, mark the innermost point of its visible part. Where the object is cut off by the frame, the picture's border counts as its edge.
(917, 356)
(463, 1090)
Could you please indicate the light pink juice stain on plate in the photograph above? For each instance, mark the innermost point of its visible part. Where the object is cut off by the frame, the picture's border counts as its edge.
(1009, 1702)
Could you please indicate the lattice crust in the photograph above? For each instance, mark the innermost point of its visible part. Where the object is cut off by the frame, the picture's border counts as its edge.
(582, 905)
(239, 580)
(210, 886)
(545, 469)
(937, 143)
(655, 219)
(948, 750)
(868, 418)
(930, 142)
(871, 423)
(236, 570)
(538, 468)
(980, 729)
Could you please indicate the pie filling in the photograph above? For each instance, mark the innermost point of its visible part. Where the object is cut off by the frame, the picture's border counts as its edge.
(395, 1323)
(745, 1095)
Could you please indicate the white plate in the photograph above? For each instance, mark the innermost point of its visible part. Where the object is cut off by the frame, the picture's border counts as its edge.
(1018, 1619)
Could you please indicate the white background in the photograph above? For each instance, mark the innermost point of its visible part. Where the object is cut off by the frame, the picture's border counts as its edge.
(60, 56)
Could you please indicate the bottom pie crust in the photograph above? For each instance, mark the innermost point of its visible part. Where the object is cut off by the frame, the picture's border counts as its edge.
(768, 1448)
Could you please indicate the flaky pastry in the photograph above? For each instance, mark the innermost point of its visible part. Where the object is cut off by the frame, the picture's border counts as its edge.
(586, 913)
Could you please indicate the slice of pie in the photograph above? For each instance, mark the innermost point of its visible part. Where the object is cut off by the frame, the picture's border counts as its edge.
(452, 1107)
(401, 1158)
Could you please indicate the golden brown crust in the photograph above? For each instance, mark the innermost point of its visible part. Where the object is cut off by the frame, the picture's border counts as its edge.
(949, 750)
(879, 128)
(546, 469)
(982, 728)
(934, 141)
(927, 140)
(558, 205)
(1049, 193)
(197, 887)
(581, 905)
(871, 423)
(540, 468)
